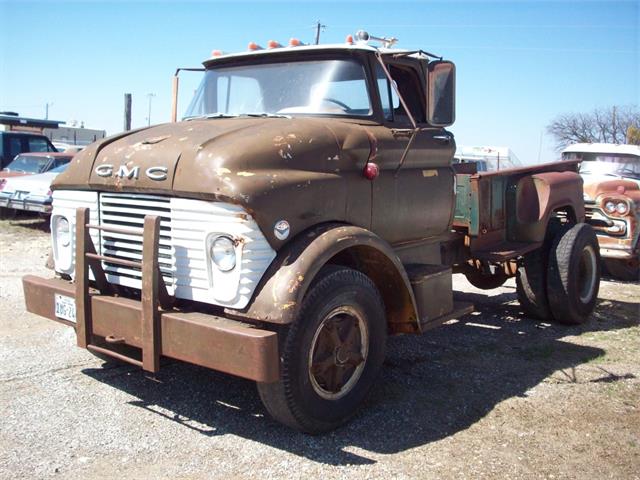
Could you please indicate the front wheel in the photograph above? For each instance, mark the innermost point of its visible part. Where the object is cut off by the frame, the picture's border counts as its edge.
(573, 276)
(627, 270)
(330, 355)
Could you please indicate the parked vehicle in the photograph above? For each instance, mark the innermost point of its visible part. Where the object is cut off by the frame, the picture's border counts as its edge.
(12, 143)
(33, 163)
(67, 147)
(31, 193)
(611, 176)
(306, 208)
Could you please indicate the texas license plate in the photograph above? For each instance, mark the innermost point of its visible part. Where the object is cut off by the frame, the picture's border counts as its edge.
(65, 308)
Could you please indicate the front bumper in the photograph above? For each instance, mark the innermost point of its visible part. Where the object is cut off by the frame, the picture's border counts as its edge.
(214, 342)
(617, 236)
(29, 206)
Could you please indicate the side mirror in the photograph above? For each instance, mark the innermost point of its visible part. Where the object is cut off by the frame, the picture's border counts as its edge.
(441, 88)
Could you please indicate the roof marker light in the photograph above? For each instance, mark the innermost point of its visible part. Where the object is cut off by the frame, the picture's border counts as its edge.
(294, 42)
(349, 39)
(216, 53)
(253, 46)
(273, 44)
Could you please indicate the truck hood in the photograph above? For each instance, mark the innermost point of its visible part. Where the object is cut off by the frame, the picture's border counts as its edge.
(214, 158)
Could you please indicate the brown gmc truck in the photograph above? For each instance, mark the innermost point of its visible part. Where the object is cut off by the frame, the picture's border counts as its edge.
(304, 209)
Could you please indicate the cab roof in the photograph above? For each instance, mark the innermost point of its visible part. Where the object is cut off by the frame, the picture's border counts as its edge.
(362, 47)
(603, 148)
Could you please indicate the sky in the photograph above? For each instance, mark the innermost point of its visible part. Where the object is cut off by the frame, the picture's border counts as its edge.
(519, 63)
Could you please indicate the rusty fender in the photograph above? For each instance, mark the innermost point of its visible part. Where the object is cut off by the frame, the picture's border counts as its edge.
(538, 196)
(280, 293)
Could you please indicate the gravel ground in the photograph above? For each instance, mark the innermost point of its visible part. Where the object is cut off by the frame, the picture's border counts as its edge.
(494, 395)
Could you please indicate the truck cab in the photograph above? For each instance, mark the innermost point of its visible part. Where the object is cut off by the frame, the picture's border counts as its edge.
(611, 175)
(305, 208)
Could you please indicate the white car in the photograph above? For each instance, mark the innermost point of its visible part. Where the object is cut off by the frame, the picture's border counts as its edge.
(31, 193)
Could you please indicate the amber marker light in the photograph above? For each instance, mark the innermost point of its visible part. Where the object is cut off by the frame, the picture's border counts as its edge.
(349, 39)
(273, 44)
(216, 53)
(294, 42)
(253, 46)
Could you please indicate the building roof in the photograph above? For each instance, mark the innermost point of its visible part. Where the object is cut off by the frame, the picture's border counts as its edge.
(28, 122)
(602, 148)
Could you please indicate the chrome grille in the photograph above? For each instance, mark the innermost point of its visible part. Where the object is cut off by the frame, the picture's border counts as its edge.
(128, 211)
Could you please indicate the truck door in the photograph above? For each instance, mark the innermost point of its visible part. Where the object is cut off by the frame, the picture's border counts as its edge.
(414, 200)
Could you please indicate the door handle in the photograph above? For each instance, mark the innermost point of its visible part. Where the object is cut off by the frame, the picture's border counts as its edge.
(442, 138)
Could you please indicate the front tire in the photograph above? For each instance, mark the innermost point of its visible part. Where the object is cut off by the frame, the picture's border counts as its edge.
(330, 355)
(573, 277)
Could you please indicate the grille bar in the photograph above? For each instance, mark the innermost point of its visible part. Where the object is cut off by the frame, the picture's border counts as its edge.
(121, 219)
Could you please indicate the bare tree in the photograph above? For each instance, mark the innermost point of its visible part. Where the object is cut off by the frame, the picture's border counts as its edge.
(606, 125)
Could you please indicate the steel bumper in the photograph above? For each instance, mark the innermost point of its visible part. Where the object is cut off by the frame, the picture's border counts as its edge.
(25, 205)
(202, 339)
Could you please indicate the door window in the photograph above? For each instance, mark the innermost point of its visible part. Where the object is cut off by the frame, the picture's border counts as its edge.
(38, 145)
(408, 83)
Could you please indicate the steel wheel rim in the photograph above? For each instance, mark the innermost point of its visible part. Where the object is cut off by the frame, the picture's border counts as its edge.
(587, 274)
(338, 353)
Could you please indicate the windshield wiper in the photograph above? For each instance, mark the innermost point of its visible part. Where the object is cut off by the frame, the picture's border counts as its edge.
(211, 115)
(265, 115)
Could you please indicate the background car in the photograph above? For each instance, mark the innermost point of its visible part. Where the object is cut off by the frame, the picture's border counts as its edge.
(30, 193)
(33, 163)
(13, 143)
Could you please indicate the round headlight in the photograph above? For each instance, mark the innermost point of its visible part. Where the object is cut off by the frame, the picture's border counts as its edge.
(610, 207)
(63, 234)
(622, 208)
(223, 254)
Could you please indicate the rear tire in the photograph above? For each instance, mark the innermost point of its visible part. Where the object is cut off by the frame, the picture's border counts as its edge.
(531, 284)
(330, 355)
(573, 277)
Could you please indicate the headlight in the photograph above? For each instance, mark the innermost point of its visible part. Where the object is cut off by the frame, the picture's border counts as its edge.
(610, 207)
(62, 232)
(622, 208)
(223, 253)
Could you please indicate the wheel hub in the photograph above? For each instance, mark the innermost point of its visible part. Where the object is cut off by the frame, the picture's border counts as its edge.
(338, 353)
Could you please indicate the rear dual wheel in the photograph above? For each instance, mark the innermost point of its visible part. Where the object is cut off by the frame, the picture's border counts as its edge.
(560, 281)
(330, 355)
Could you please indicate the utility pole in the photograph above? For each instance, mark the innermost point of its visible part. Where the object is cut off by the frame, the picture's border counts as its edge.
(150, 97)
(318, 27)
(127, 112)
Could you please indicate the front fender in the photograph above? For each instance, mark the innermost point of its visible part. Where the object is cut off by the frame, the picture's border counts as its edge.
(279, 295)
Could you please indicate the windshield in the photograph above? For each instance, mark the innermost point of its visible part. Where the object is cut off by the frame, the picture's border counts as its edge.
(28, 164)
(335, 87)
(617, 165)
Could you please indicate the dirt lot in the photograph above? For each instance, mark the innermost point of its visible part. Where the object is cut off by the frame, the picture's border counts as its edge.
(494, 395)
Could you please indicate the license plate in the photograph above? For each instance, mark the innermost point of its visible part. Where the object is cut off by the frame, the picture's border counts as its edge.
(66, 308)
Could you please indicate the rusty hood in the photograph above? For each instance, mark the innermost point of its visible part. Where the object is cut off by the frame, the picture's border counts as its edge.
(211, 157)
(595, 188)
(259, 163)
